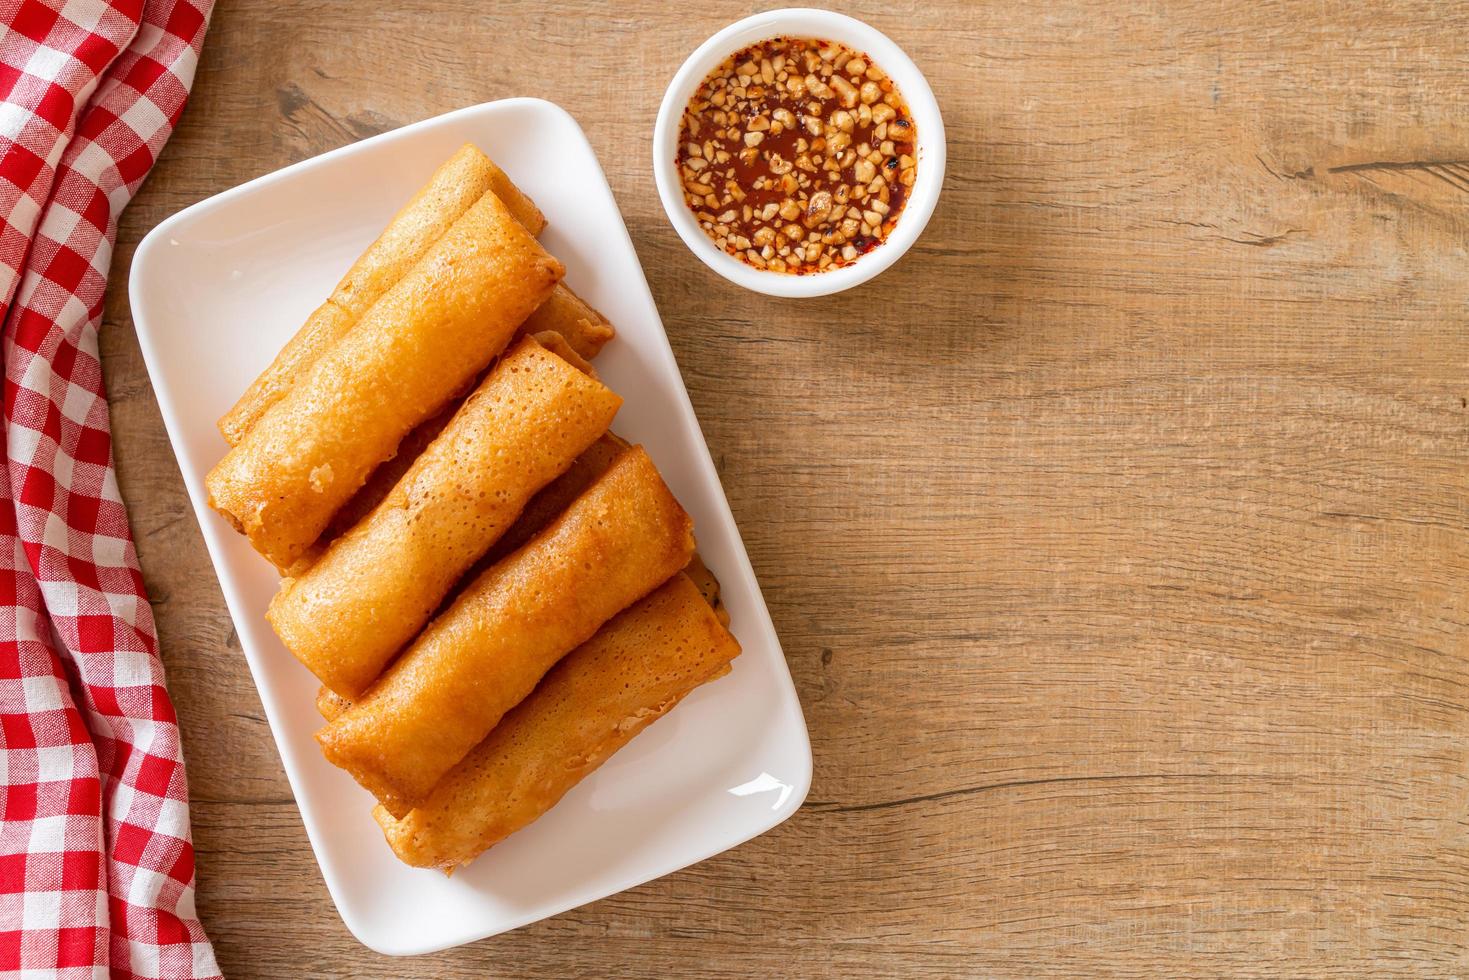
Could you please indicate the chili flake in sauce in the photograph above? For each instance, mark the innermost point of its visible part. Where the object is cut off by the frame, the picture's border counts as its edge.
(797, 155)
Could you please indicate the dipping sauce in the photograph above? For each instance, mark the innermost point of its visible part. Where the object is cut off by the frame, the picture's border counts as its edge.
(797, 155)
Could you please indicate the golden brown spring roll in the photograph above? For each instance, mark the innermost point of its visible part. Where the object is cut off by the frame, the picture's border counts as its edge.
(386, 477)
(374, 588)
(566, 313)
(558, 345)
(332, 705)
(557, 495)
(454, 187)
(378, 485)
(543, 508)
(708, 586)
(620, 540)
(550, 501)
(423, 341)
(582, 329)
(591, 704)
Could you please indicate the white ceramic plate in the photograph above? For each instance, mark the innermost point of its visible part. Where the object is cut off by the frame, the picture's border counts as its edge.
(932, 150)
(219, 287)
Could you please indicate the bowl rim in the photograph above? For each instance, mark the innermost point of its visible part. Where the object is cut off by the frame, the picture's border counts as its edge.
(807, 22)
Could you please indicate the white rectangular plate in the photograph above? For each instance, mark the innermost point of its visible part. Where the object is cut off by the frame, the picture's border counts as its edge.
(218, 288)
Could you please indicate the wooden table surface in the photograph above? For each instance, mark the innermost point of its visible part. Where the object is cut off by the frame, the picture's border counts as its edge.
(1117, 536)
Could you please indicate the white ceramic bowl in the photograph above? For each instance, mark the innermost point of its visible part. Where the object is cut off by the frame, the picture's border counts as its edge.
(801, 22)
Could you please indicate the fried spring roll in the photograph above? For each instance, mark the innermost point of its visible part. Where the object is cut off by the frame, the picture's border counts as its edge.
(378, 486)
(453, 188)
(424, 340)
(386, 477)
(591, 704)
(566, 313)
(332, 705)
(558, 345)
(557, 495)
(374, 588)
(620, 540)
(708, 586)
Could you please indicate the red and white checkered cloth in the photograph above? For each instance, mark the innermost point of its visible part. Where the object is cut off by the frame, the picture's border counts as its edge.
(96, 863)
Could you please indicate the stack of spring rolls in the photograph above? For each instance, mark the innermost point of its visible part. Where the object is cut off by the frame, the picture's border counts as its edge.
(495, 592)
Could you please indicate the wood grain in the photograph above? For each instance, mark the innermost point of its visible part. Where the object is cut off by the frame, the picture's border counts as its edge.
(1117, 537)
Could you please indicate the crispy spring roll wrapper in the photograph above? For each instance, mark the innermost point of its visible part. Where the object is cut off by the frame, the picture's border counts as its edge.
(378, 486)
(453, 188)
(543, 508)
(479, 658)
(566, 313)
(332, 705)
(375, 587)
(558, 495)
(427, 338)
(708, 586)
(386, 477)
(555, 497)
(561, 347)
(591, 704)
(582, 329)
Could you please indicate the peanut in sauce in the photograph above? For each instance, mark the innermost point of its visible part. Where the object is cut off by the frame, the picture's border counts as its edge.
(797, 155)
